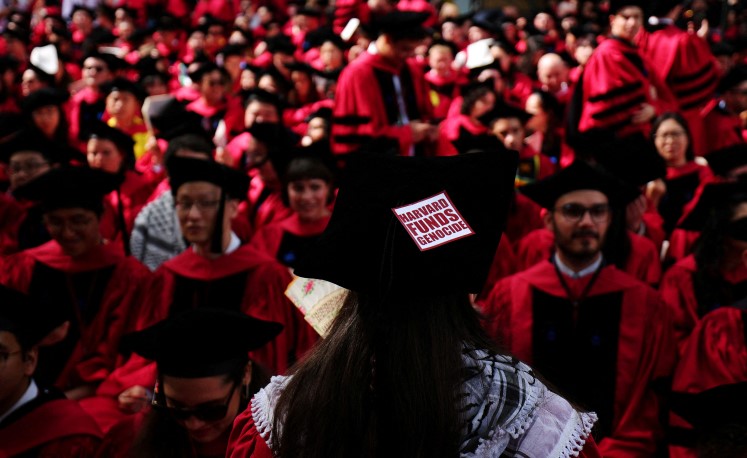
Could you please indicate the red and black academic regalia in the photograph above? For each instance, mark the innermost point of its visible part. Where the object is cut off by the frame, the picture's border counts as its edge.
(242, 280)
(615, 83)
(681, 244)
(85, 107)
(263, 205)
(682, 185)
(443, 91)
(230, 111)
(12, 214)
(135, 191)
(367, 99)
(686, 64)
(49, 426)
(99, 294)
(678, 292)
(722, 128)
(524, 216)
(533, 166)
(603, 353)
(714, 354)
(454, 127)
(288, 240)
(643, 262)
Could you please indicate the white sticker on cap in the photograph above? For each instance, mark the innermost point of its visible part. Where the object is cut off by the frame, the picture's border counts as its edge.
(433, 221)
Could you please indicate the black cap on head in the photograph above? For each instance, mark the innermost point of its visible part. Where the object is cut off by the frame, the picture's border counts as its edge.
(660, 8)
(576, 177)
(186, 169)
(725, 160)
(172, 120)
(70, 187)
(263, 96)
(297, 66)
(114, 63)
(633, 159)
(27, 141)
(279, 141)
(714, 197)
(318, 37)
(617, 5)
(44, 97)
(468, 142)
(202, 342)
(489, 20)
(733, 77)
(120, 84)
(507, 111)
(23, 317)
(414, 226)
(280, 44)
(711, 409)
(204, 69)
(400, 25)
(124, 143)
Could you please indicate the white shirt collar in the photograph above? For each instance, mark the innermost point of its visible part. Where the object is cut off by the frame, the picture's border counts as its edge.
(565, 270)
(31, 393)
(233, 245)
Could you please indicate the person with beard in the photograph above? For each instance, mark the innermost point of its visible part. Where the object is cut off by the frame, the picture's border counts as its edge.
(577, 310)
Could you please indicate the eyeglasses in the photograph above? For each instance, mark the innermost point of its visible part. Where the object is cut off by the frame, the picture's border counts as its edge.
(206, 413)
(676, 135)
(96, 68)
(185, 206)
(28, 167)
(5, 355)
(574, 213)
(75, 223)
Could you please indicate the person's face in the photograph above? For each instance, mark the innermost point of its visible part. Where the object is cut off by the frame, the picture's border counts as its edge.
(302, 82)
(580, 239)
(451, 32)
(213, 87)
(268, 83)
(30, 82)
(510, 132)
(232, 64)
(46, 119)
(248, 80)
(543, 22)
(399, 50)
(15, 370)
(627, 22)
(330, 55)
(553, 76)
(671, 142)
(475, 33)
(583, 53)
(308, 198)
(196, 41)
(533, 106)
(483, 105)
(103, 154)
(257, 157)
(122, 105)
(75, 229)
(440, 59)
(260, 112)
(190, 393)
(736, 97)
(82, 20)
(25, 166)
(197, 205)
(95, 72)
(125, 29)
(317, 129)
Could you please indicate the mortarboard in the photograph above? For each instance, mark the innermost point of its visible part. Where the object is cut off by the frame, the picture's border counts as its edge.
(70, 187)
(172, 119)
(201, 342)
(303, 67)
(505, 111)
(120, 84)
(121, 140)
(263, 96)
(579, 176)
(112, 61)
(458, 20)
(280, 44)
(711, 409)
(489, 20)
(732, 78)
(468, 142)
(632, 159)
(205, 68)
(318, 37)
(400, 24)
(28, 141)
(167, 21)
(659, 8)
(412, 226)
(617, 5)
(83, 8)
(25, 318)
(715, 197)
(323, 112)
(473, 85)
(308, 11)
(724, 160)
(44, 97)
(279, 141)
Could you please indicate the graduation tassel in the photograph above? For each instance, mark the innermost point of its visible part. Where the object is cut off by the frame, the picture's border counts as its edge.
(216, 246)
(121, 221)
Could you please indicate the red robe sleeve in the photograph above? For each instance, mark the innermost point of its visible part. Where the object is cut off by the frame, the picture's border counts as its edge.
(678, 294)
(245, 440)
(533, 248)
(643, 261)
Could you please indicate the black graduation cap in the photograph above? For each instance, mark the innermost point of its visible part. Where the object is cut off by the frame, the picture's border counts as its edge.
(207, 21)
(713, 408)
(309, 11)
(233, 49)
(459, 20)
(123, 142)
(617, 5)
(473, 85)
(632, 159)
(201, 342)
(83, 8)
(263, 96)
(400, 24)
(44, 97)
(725, 160)
(489, 19)
(579, 176)
(205, 68)
(16, 31)
(167, 21)
(29, 141)
(451, 210)
(468, 142)
(659, 8)
(323, 112)
(318, 37)
(173, 120)
(297, 66)
(733, 77)
(185, 170)
(506, 110)
(26, 319)
(70, 187)
(280, 44)
(113, 62)
(714, 197)
(120, 84)
(279, 141)
(441, 42)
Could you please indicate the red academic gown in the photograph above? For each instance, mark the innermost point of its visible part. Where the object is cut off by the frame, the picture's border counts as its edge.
(643, 262)
(135, 191)
(722, 128)
(603, 353)
(229, 111)
(443, 90)
(685, 62)
(533, 166)
(109, 289)
(524, 216)
(615, 82)
(715, 354)
(263, 205)
(451, 129)
(682, 185)
(287, 240)
(49, 426)
(366, 90)
(678, 292)
(85, 106)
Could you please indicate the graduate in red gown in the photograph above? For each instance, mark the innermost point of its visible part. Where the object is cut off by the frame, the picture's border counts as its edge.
(309, 192)
(578, 307)
(386, 91)
(84, 279)
(715, 275)
(35, 421)
(443, 80)
(215, 103)
(721, 115)
(88, 104)
(618, 91)
(477, 100)
(204, 379)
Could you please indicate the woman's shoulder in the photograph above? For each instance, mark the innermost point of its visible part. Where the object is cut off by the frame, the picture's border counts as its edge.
(252, 429)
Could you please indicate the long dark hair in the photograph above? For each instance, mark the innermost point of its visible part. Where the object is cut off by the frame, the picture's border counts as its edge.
(676, 117)
(388, 369)
(60, 135)
(162, 437)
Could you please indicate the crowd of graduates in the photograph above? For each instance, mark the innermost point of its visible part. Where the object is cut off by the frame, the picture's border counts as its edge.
(166, 165)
